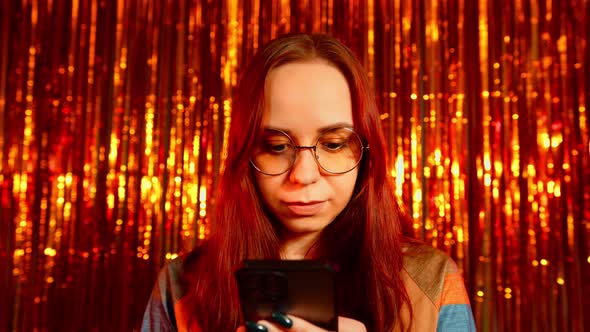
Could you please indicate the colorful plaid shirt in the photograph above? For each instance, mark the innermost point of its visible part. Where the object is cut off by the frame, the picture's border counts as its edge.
(436, 291)
(433, 282)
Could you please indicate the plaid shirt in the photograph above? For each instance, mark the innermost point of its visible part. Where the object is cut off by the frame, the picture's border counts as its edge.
(433, 282)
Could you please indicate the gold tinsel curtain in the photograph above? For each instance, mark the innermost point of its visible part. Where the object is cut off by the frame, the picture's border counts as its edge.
(114, 117)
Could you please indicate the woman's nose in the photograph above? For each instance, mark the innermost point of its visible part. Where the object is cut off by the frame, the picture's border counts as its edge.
(305, 169)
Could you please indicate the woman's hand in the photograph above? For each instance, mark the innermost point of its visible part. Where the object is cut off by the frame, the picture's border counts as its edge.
(281, 324)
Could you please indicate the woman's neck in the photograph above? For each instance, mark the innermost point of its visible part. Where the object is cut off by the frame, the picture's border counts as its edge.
(299, 245)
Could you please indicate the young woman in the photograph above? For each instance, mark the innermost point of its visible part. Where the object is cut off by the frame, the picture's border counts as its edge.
(306, 178)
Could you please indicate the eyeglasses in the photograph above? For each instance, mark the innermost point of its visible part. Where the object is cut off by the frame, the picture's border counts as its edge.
(336, 151)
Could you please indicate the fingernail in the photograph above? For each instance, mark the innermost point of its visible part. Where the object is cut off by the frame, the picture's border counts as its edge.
(253, 327)
(282, 319)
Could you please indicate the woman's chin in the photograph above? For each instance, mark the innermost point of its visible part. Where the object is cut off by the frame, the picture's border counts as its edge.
(304, 226)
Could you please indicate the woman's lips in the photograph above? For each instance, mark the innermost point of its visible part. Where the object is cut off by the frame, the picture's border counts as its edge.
(305, 208)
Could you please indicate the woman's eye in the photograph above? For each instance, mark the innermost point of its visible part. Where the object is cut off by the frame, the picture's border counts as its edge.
(333, 145)
(276, 147)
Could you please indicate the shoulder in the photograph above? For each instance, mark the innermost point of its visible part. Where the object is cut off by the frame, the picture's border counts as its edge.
(170, 279)
(161, 313)
(435, 284)
(173, 276)
(428, 267)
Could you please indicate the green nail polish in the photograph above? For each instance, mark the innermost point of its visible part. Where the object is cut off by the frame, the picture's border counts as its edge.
(282, 319)
(253, 327)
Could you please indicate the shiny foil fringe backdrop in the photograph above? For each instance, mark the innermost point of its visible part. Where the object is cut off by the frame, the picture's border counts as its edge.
(114, 117)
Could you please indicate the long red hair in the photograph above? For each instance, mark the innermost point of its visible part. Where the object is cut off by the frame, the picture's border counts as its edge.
(364, 240)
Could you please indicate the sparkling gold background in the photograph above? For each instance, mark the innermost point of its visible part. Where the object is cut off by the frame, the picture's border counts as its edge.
(114, 117)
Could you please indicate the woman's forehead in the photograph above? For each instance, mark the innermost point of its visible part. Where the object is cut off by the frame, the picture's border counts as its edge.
(307, 97)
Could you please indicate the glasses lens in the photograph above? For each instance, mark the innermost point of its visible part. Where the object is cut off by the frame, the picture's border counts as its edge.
(274, 153)
(339, 150)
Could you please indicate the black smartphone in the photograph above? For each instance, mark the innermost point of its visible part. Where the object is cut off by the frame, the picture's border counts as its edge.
(303, 288)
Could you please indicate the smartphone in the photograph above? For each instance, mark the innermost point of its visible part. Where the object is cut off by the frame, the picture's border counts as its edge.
(303, 288)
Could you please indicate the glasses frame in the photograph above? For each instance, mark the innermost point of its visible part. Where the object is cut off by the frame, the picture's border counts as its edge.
(313, 148)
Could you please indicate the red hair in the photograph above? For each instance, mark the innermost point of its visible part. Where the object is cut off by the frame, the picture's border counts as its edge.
(364, 240)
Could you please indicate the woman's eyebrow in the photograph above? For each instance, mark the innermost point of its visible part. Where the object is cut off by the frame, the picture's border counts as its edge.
(336, 125)
(319, 130)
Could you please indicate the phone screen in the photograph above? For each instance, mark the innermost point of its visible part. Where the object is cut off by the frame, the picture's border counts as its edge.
(303, 288)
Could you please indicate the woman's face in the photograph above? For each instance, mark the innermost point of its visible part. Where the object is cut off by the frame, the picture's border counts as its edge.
(303, 99)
